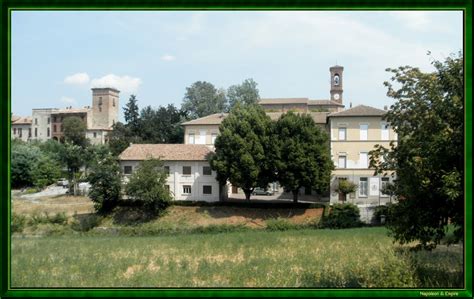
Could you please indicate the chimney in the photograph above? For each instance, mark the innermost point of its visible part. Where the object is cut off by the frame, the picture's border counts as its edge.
(385, 108)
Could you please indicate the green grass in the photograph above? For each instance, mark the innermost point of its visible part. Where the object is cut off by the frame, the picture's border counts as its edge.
(362, 257)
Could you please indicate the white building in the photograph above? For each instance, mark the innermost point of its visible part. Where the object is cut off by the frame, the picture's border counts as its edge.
(190, 175)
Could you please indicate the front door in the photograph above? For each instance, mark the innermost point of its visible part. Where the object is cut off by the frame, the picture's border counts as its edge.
(234, 189)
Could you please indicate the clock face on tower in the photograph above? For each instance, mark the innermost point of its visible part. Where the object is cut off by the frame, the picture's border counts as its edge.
(336, 96)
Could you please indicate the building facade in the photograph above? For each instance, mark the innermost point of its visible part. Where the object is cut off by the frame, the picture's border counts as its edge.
(21, 128)
(47, 123)
(189, 174)
(354, 133)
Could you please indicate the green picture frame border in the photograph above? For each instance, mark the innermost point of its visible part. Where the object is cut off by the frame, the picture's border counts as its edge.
(7, 6)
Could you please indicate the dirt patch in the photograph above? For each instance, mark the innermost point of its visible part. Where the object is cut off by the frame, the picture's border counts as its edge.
(52, 205)
(252, 217)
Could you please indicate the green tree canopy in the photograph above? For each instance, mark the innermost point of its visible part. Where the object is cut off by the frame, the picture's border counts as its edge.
(24, 158)
(147, 185)
(202, 99)
(46, 171)
(105, 180)
(245, 93)
(245, 149)
(303, 154)
(75, 131)
(428, 158)
(132, 116)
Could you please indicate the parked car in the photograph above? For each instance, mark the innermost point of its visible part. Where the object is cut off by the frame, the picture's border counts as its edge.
(261, 191)
(62, 182)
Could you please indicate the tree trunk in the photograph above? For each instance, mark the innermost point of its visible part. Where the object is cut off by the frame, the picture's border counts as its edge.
(247, 192)
(295, 195)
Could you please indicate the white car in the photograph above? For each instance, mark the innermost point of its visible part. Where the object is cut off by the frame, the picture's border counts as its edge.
(62, 182)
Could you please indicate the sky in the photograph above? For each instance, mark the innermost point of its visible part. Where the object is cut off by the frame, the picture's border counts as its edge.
(58, 56)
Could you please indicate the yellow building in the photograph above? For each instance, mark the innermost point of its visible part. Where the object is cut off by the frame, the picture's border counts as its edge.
(354, 133)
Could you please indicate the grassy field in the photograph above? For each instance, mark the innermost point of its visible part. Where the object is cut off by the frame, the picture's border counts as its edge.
(362, 257)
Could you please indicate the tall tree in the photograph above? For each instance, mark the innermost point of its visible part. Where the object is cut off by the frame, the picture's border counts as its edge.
(120, 138)
(24, 158)
(245, 149)
(105, 183)
(130, 112)
(245, 93)
(303, 159)
(202, 99)
(428, 117)
(75, 131)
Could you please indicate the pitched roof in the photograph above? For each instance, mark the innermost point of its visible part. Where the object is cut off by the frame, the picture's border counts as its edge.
(324, 103)
(213, 119)
(360, 110)
(18, 120)
(283, 101)
(166, 152)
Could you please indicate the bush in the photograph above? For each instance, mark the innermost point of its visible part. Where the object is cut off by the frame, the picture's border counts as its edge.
(84, 223)
(59, 218)
(279, 224)
(379, 211)
(342, 216)
(17, 223)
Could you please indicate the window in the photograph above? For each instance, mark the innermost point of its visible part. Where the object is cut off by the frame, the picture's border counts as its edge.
(186, 170)
(29, 132)
(95, 135)
(384, 131)
(363, 132)
(363, 161)
(14, 131)
(36, 132)
(54, 128)
(342, 162)
(186, 189)
(206, 189)
(62, 128)
(213, 138)
(385, 182)
(363, 186)
(48, 132)
(49, 120)
(166, 169)
(342, 133)
(19, 132)
(167, 188)
(36, 121)
(206, 170)
(113, 102)
(100, 104)
(54, 119)
(127, 169)
(191, 138)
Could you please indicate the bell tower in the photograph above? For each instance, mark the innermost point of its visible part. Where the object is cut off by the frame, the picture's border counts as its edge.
(105, 103)
(336, 83)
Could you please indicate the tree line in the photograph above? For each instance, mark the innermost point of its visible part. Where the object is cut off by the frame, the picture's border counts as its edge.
(163, 124)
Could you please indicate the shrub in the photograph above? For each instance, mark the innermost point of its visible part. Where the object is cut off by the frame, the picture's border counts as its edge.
(83, 223)
(279, 224)
(59, 218)
(342, 216)
(38, 218)
(379, 211)
(17, 223)
(345, 187)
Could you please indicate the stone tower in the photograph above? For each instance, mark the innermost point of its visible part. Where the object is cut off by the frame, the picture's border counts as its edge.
(105, 107)
(336, 83)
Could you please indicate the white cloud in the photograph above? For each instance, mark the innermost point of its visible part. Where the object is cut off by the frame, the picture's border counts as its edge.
(168, 57)
(77, 79)
(122, 83)
(68, 100)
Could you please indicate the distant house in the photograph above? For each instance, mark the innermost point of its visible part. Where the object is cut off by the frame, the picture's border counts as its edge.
(190, 175)
(47, 123)
(21, 128)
